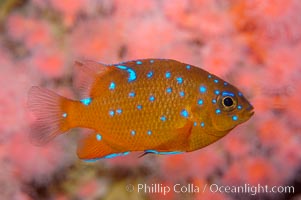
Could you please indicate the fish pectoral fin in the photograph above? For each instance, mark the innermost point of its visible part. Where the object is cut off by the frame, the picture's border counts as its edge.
(94, 147)
(180, 140)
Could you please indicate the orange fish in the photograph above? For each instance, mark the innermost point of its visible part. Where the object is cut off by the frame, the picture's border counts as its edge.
(157, 106)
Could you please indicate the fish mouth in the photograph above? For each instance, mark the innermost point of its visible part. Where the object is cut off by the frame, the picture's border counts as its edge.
(251, 110)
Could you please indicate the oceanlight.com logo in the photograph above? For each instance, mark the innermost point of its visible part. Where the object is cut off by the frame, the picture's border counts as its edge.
(213, 188)
(251, 189)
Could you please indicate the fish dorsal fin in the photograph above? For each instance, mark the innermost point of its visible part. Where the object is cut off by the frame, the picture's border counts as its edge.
(94, 147)
(85, 73)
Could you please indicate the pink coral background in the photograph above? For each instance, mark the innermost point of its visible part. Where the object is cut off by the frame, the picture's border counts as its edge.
(254, 44)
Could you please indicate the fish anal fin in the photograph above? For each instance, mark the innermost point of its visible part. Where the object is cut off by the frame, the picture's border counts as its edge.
(94, 147)
(86, 72)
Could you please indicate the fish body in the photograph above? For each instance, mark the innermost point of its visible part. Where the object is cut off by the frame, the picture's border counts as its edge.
(154, 105)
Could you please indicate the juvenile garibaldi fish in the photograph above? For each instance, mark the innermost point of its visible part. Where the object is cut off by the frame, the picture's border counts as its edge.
(156, 106)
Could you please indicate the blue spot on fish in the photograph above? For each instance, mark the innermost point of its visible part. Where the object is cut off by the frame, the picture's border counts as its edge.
(139, 107)
(225, 83)
(112, 86)
(111, 112)
(132, 73)
(118, 111)
(239, 107)
(179, 80)
(152, 98)
(167, 74)
(209, 76)
(150, 74)
(218, 111)
(226, 93)
(202, 124)
(138, 62)
(195, 123)
(213, 101)
(151, 61)
(200, 101)
(163, 118)
(184, 113)
(203, 89)
(216, 92)
(64, 115)
(187, 66)
(122, 67)
(215, 80)
(132, 94)
(133, 132)
(239, 94)
(169, 90)
(149, 132)
(182, 94)
(86, 101)
(235, 118)
(98, 137)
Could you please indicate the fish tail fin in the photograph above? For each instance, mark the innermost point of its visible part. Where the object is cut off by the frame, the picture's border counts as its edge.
(51, 114)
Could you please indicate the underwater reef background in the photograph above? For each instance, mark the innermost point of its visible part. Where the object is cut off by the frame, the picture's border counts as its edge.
(253, 44)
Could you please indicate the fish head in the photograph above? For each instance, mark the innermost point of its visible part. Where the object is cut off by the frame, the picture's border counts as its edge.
(229, 109)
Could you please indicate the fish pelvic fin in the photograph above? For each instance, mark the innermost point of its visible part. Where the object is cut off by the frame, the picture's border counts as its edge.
(51, 112)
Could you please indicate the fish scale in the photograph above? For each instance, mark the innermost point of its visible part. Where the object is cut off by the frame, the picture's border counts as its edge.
(157, 106)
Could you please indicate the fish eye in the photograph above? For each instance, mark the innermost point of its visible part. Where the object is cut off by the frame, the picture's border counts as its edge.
(228, 103)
